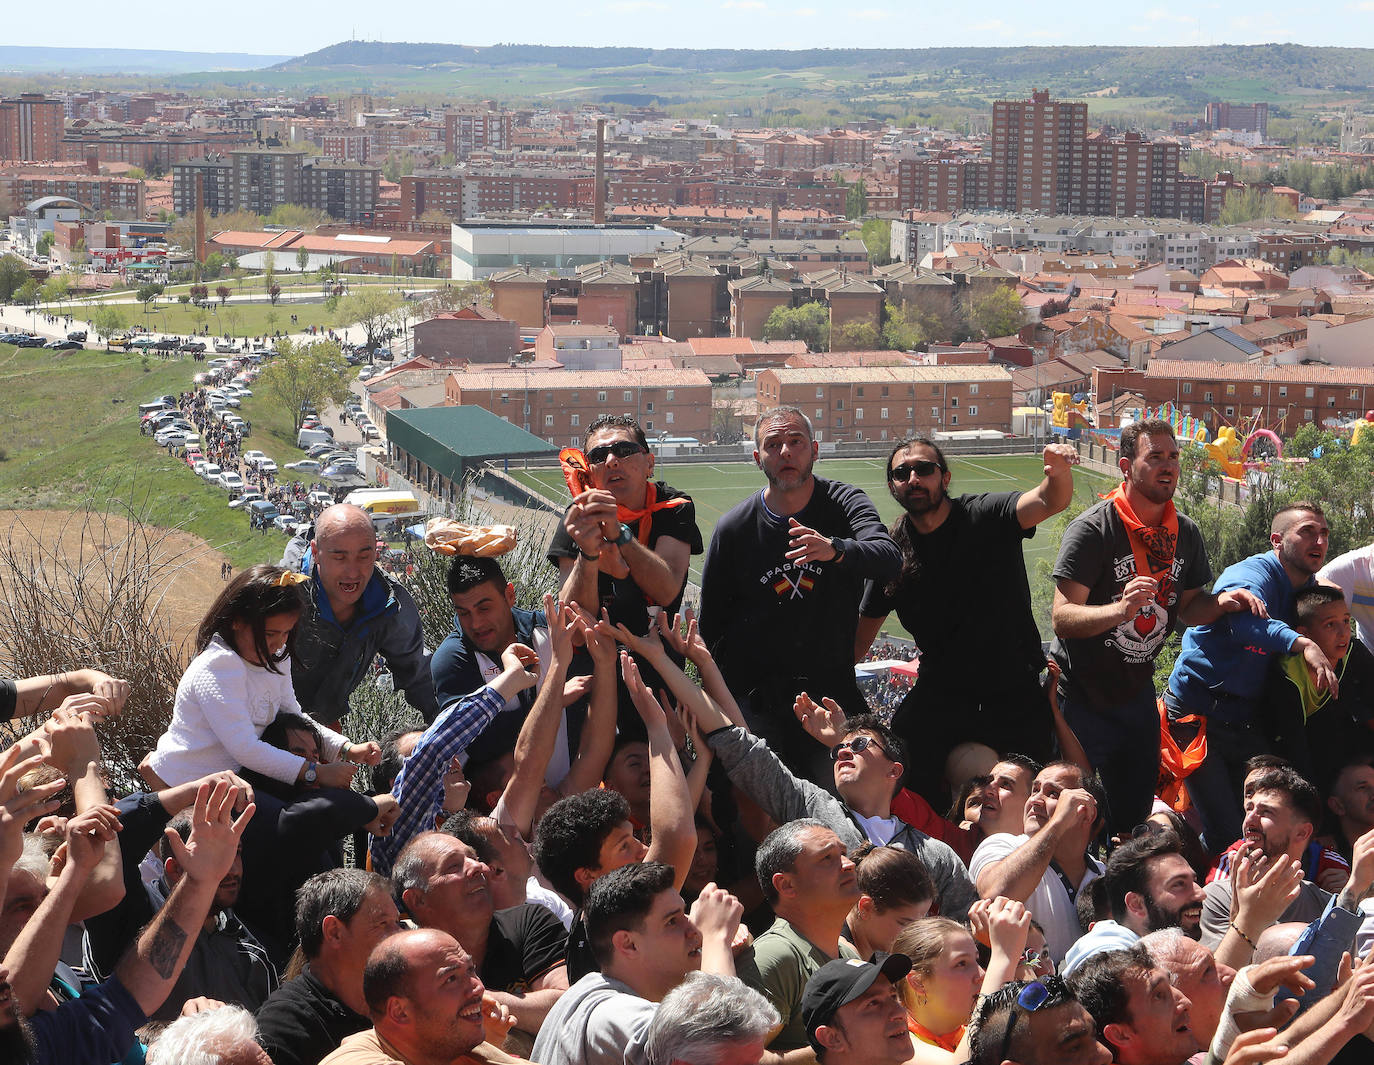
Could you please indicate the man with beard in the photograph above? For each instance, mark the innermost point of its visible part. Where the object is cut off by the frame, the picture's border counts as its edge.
(781, 585)
(1128, 569)
(1351, 803)
(963, 552)
(1143, 1018)
(1149, 887)
(1220, 673)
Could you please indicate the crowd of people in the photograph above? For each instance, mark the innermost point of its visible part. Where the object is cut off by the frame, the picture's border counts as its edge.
(626, 833)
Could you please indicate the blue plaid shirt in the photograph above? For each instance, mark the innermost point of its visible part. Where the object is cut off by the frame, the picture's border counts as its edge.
(419, 787)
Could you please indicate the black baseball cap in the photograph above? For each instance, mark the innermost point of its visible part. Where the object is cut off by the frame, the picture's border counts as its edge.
(838, 983)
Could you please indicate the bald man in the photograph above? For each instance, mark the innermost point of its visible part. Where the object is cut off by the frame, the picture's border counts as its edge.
(355, 612)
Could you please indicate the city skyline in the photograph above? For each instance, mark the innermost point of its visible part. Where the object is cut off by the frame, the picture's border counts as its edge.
(264, 28)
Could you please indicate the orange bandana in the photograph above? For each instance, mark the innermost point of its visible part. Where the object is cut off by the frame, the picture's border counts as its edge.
(578, 475)
(1152, 545)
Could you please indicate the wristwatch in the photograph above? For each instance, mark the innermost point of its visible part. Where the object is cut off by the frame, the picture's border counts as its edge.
(625, 536)
(310, 773)
(839, 551)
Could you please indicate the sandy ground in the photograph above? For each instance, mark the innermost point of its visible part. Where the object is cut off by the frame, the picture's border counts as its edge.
(189, 569)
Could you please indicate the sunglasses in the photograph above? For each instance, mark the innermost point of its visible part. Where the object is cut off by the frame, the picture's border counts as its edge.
(1030, 998)
(906, 469)
(857, 744)
(1031, 956)
(621, 449)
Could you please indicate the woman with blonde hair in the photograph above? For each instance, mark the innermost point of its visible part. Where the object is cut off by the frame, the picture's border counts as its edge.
(946, 981)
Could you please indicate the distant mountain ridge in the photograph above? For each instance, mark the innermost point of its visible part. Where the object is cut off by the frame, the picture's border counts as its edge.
(37, 59)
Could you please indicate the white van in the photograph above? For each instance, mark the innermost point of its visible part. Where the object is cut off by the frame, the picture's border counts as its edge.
(306, 437)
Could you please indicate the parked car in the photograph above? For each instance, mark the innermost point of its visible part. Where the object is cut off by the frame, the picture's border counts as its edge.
(225, 346)
(230, 480)
(285, 522)
(252, 458)
(142, 342)
(62, 345)
(78, 335)
(371, 432)
(261, 514)
(248, 495)
(211, 472)
(28, 342)
(304, 466)
(314, 451)
(267, 466)
(319, 499)
(198, 467)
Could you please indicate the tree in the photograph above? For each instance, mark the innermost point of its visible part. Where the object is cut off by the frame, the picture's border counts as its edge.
(13, 273)
(856, 200)
(298, 216)
(44, 244)
(200, 293)
(302, 259)
(305, 374)
(269, 272)
(26, 295)
(810, 323)
(274, 293)
(148, 293)
(137, 173)
(876, 233)
(56, 289)
(223, 292)
(858, 334)
(1246, 205)
(994, 312)
(108, 320)
(372, 309)
(907, 326)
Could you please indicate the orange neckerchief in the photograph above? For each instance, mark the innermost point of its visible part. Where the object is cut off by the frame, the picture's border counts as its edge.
(578, 475)
(1152, 545)
(925, 1035)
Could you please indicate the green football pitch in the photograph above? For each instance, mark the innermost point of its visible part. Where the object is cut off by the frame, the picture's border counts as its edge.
(717, 487)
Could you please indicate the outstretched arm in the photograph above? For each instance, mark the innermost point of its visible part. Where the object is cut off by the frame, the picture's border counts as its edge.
(670, 806)
(598, 734)
(1052, 494)
(152, 967)
(33, 695)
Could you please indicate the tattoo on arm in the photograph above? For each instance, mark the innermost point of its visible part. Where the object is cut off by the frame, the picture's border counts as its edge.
(165, 950)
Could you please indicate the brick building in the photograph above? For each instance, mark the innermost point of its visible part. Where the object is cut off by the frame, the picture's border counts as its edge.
(1221, 115)
(891, 402)
(263, 179)
(1130, 176)
(475, 333)
(216, 192)
(121, 196)
(31, 128)
(558, 405)
(513, 189)
(943, 184)
(472, 129)
(431, 191)
(342, 190)
(1037, 155)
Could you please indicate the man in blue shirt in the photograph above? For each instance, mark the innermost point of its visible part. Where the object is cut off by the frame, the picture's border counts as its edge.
(1220, 673)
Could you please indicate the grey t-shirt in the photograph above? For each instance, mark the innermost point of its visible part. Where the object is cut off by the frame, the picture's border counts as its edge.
(1118, 664)
(597, 1021)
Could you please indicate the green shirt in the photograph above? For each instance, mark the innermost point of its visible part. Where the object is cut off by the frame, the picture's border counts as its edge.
(781, 963)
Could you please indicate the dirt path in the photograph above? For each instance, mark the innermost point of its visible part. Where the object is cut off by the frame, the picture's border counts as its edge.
(190, 568)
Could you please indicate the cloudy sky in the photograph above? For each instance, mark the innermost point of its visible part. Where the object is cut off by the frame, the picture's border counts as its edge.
(275, 28)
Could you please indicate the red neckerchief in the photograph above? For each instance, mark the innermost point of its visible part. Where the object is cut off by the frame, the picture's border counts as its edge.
(578, 475)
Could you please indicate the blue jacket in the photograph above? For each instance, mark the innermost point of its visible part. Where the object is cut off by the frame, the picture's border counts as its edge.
(1222, 668)
(454, 665)
(331, 660)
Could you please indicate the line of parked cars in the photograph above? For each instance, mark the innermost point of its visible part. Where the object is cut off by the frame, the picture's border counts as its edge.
(29, 340)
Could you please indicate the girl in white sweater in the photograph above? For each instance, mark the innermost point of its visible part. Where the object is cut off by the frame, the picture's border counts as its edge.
(235, 686)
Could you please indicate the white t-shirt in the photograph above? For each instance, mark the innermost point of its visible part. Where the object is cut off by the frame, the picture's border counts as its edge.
(491, 668)
(879, 830)
(1354, 573)
(1050, 902)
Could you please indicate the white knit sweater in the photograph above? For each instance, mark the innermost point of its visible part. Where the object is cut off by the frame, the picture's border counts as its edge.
(223, 703)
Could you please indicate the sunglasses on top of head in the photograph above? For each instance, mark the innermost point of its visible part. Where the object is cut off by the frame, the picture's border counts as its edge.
(906, 469)
(621, 449)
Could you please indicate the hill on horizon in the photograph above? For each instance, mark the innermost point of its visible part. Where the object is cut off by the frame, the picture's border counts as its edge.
(50, 60)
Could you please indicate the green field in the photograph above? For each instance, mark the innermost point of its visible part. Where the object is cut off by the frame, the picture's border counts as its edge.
(718, 487)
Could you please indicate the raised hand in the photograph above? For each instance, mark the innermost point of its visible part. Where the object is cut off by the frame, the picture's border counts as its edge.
(824, 723)
(457, 787)
(70, 736)
(649, 709)
(521, 661)
(18, 808)
(497, 1021)
(369, 753)
(215, 834)
(1261, 891)
(717, 914)
(388, 809)
(648, 646)
(808, 545)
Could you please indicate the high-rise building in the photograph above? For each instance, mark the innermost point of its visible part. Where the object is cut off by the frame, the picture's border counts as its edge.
(1130, 175)
(471, 129)
(1238, 116)
(31, 128)
(342, 190)
(945, 184)
(265, 178)
(216, 174)
(1037, 154)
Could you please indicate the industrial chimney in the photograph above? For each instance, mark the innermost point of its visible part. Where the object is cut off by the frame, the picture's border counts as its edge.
(599, 209)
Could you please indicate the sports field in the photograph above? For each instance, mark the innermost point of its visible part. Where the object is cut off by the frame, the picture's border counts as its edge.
(718, 487)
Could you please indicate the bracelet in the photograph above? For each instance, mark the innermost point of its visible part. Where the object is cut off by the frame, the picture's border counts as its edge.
(1236, 929)
(589, 557)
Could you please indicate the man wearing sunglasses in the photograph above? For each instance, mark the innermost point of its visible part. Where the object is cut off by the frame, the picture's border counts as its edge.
(961, 554)
(781, 585)
(625, 542)
(1035, 1023)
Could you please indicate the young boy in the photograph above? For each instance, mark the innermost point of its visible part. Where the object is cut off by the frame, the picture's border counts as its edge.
(1315, 731)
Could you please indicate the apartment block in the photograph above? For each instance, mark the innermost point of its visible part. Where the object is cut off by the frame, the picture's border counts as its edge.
(1037, 154)
(31, 128)
(1130, 176)
(943, 184)
(347, 191)
(472, 129)
(1221, 115)
(558, 405)
(264, 179)
(119, 196)
(216, 185)
(433, 191)
(525, 190)
(891, 402)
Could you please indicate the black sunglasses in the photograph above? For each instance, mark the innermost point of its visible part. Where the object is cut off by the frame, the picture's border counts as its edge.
(906, 469)
(621, 449)
(1030, 998)
(857, 744)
